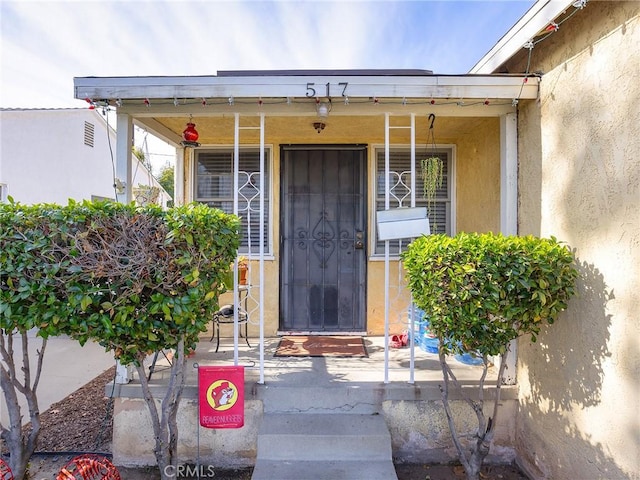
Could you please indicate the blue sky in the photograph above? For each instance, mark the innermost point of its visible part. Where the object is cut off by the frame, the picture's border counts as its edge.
(45, 44)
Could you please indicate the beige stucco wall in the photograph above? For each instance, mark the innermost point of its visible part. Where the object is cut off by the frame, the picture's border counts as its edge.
(579, 177)
(476, 143)
(133, 438)
(418, 428)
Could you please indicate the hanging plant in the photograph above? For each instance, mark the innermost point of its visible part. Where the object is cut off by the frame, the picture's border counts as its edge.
(432, 169)
(432, 175)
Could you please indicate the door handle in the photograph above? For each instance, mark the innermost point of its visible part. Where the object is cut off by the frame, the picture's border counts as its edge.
(359, 244)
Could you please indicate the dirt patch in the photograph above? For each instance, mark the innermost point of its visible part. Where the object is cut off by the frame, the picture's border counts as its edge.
(83, 421)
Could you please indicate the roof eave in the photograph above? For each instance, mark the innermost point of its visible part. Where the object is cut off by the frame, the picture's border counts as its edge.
(539, 16)
(314, 86)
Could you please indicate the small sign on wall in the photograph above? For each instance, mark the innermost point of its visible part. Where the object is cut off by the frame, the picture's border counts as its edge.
(221, 396)
(402, 223)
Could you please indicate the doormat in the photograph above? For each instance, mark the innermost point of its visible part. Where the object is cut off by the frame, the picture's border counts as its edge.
(321, 346)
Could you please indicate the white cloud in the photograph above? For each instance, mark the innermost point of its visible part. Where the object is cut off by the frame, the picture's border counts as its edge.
(46, 44)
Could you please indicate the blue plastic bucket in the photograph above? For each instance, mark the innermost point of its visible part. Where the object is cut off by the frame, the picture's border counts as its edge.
(429, 343)
(468, 359)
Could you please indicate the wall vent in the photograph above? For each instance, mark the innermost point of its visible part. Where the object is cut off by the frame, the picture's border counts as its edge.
(89, 130)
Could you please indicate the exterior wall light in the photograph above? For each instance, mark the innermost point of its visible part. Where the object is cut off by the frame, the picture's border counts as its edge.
(319, 126)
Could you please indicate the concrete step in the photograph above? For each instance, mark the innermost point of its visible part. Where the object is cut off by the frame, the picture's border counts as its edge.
(323, 437)
(323, 445)
(324, 470)
(320, 399)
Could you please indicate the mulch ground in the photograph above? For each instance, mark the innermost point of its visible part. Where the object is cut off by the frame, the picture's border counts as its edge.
(82, 423)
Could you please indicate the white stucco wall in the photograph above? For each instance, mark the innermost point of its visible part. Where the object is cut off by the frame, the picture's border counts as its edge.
(43, 157)
(579, 179)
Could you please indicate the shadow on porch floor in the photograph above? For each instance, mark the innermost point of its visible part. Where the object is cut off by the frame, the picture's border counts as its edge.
(316, 371)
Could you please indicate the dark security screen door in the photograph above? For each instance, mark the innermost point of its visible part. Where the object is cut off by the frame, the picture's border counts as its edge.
(323, 249)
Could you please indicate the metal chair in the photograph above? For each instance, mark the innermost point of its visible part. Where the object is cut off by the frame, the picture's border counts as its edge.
(153, 368)
(225, 316)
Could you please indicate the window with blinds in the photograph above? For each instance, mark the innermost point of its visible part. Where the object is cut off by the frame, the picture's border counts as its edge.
(214, 186)
(439, 212)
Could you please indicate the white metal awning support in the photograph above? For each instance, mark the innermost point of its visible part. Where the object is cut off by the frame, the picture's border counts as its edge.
(261, 246)
(387, 206)
(386, 249)
(412, 343)
(236, 176)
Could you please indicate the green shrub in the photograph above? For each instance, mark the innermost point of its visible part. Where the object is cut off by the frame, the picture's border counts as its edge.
(481, 291)
(137, 280)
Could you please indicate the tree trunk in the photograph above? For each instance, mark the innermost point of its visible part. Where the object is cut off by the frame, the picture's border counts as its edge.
(472, 462)
(19, 456)
(20, 446)
(164, 421)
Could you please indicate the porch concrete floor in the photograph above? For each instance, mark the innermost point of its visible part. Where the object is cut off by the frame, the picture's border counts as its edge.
(315, 371)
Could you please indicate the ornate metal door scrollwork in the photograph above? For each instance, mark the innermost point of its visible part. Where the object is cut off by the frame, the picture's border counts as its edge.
(323, 239)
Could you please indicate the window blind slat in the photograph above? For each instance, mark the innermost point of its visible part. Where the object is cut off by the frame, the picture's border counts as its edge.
(214, 187)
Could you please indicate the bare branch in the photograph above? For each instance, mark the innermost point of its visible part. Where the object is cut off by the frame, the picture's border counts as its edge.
(39, 366)
(496, 403)
(446, 371)
(26, 364)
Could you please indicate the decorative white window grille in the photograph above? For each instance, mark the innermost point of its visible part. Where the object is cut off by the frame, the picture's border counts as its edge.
(400, 189)
(214, 186)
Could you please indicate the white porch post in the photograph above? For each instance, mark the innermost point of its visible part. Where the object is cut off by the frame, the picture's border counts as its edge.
(178, 179)
(509, 207)
(509, 174)
(124, 194)
(124, 143)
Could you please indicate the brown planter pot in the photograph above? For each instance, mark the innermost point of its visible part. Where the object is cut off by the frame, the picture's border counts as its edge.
(242, 274)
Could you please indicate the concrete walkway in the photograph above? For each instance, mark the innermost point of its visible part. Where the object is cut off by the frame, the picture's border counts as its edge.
(66, 367)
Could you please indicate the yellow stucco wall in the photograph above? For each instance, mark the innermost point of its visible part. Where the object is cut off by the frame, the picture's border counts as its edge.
(579, 181)
(478, 177)
(477, 162)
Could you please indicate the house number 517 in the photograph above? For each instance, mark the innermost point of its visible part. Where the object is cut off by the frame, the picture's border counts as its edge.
(311, 89)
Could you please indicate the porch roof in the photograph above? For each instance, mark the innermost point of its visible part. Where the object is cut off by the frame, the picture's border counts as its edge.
(373, 86)
(160, 104)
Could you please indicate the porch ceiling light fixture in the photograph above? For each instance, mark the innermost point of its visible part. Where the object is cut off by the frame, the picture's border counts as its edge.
(190, 135)
(323, 109)
(319, 126)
